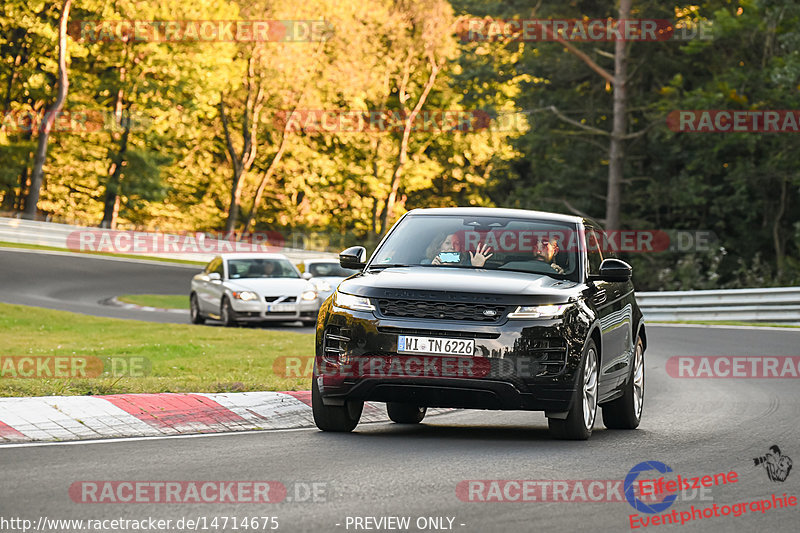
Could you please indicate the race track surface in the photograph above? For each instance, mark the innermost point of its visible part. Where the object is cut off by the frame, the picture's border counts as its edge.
(695, 426)
(81, 284)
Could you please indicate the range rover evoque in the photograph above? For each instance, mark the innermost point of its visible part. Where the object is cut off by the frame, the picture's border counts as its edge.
(483, 308)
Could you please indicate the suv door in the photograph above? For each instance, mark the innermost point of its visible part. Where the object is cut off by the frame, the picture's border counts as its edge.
(603, 298)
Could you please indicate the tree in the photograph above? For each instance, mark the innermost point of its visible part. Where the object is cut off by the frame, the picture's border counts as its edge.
(50, 117)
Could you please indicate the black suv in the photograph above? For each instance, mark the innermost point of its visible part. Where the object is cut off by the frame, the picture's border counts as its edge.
(483, 309)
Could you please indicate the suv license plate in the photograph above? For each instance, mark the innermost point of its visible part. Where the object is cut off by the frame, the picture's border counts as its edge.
(435, 345)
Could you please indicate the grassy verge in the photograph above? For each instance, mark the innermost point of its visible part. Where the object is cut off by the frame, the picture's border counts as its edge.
(4, 244)
(181, 358)
(164, 301)
(726, 323)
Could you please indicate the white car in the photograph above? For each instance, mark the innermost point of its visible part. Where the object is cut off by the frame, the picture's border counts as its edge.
(326, 275)
(253, 288)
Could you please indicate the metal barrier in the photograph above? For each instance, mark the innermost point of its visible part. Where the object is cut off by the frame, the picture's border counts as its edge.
(779, 305)
(20, 231)
(776, 305)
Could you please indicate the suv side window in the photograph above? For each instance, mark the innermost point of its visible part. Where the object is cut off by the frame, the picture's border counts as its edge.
(593, 252)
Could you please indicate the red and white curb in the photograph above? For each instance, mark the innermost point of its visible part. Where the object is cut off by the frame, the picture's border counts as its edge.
(65, 418)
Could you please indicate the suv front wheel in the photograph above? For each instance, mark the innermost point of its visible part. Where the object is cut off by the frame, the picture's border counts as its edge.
(338, 418)
(581, 416)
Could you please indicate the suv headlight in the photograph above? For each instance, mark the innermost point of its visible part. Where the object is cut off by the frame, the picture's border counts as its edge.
(350, 301)
(245, 295)
(539, 311)
(309, 295)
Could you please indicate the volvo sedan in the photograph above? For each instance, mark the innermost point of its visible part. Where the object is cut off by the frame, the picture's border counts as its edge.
(237, 288)
(484, 309)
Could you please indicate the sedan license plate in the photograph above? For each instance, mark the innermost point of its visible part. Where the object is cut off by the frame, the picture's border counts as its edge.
(280, 308)
(435, 345)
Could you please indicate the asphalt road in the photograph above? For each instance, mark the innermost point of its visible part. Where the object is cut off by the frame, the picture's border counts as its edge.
(81, 284)
(696, 426)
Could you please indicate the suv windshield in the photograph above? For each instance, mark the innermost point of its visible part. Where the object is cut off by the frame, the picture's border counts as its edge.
(491, 243)
(261, 268)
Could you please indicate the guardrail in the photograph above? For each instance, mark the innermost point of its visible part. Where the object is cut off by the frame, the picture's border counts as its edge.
(779, 305)
(20, 231)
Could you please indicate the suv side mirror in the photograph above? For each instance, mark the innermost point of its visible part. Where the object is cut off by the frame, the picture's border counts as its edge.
(214, 276)
(614, 270)
(354, 258)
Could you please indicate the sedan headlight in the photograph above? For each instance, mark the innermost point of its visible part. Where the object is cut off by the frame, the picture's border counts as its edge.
(245, 295)
(539, 311)
(350, 301)
(309, 295)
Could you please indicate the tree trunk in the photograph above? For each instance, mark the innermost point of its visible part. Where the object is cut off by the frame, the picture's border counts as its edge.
(616, 151)
(242, 162)
(46, 126)
(402, 156)
(112, 200)
(777, 240)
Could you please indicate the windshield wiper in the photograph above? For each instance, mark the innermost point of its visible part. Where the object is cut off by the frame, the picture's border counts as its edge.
(389, 265)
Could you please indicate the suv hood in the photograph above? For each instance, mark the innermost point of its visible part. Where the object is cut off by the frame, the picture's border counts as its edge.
(448, 284)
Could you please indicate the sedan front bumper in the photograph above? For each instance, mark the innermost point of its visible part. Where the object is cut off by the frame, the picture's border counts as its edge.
(260, 310)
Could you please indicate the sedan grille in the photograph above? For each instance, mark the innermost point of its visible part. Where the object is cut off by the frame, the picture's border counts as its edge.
(473, 312)
(281, 299)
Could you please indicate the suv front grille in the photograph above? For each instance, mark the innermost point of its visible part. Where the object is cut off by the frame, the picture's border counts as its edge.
(441, 310)
(437, 333)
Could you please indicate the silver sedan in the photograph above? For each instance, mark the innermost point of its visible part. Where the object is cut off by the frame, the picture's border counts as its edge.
(237, 288)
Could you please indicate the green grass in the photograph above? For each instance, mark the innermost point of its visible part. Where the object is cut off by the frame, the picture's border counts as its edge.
(164, 301)
(182, 358)
(5, 244)
(726, 323)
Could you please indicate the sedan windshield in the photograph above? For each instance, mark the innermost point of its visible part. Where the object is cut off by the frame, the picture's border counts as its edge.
(329, 270)
(261, 268)
(485, 242)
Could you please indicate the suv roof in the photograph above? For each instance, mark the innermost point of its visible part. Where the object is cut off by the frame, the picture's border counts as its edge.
(498, 212)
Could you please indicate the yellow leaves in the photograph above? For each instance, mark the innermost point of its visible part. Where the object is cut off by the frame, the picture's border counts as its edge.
(734, 96)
